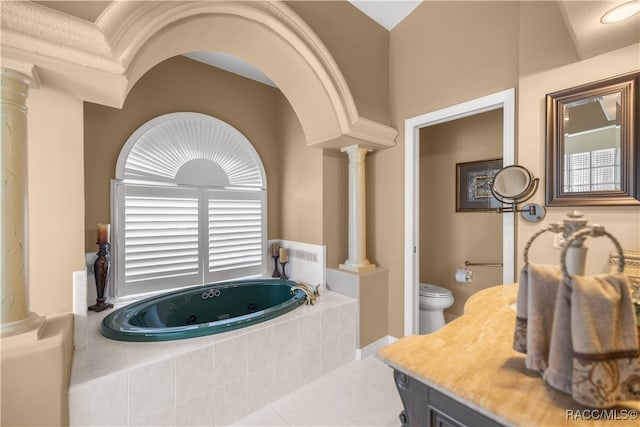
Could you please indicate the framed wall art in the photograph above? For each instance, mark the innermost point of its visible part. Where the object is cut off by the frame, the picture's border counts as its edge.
(473, 185)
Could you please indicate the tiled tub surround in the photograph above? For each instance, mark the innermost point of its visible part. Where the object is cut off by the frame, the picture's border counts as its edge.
(307, 263)
(212, 380)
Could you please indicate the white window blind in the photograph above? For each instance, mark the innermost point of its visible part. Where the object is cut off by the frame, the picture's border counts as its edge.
(160, 245)
(236, 238)
(597, 170)
(604, 169)
(181, 236)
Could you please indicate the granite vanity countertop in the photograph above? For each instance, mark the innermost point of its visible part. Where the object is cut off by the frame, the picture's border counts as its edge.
(471, 360)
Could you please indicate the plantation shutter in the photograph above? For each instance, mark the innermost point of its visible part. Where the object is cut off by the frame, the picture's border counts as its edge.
(236, 224)
(597, 170)
(188, 206)
(161, 244)
(604, 169)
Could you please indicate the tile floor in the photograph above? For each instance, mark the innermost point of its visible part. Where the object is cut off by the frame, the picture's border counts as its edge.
(361, 393)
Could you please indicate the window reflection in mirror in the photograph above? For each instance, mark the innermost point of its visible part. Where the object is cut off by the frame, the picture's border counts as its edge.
(592, 144)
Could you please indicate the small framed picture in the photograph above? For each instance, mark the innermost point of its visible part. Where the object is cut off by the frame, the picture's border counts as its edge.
(473, 185)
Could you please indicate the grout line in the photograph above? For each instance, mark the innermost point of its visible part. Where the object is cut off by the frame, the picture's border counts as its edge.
(343, 370)
(128, 397)
(175, 390)
(334, 406)
(368, 389)
(379, 391)
(278, 413)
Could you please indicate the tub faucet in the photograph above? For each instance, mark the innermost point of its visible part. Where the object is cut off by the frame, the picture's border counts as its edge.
(310, 295)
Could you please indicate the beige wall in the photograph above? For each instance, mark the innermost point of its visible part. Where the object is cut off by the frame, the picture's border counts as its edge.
(444, 53)
(359, 46)
(56, 198)
(335, 191)
(490, 46)
(35, 375)
(447, 237)
(544, 40)
(179, 84)
(622, 222)
(300, 175)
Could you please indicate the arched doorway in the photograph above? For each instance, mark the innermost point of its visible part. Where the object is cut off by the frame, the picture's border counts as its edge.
(101, 61)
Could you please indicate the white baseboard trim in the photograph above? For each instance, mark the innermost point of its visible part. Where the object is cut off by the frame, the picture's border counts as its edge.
(371, 349)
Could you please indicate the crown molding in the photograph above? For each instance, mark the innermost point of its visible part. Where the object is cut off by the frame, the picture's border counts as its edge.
(128, 25)
(94, 60)
(41, 30)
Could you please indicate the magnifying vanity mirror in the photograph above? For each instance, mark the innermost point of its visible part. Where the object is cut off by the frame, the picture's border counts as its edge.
(513, 185)
(512, 182)
(592, 144)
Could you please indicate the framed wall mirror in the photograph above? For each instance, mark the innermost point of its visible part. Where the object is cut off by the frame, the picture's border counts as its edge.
(592, 144)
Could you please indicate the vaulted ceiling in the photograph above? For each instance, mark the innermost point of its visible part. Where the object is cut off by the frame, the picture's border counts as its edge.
(590, 36)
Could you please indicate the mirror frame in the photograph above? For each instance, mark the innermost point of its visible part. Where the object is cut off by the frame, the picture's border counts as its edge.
(629, 194)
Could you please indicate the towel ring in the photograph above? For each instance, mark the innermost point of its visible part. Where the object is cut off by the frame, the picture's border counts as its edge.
(554, 228)
(593, 231)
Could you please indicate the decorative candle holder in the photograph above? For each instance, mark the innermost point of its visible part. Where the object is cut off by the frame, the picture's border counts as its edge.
(101, 273)
(284, 273)
(276, 272)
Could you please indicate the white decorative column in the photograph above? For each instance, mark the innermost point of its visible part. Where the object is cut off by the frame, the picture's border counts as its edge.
(15, 317)
(357, 261)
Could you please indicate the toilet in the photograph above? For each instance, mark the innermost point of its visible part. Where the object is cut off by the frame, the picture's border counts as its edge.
(433, 301)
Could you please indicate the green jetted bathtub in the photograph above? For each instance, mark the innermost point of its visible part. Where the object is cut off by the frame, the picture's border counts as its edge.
(207, 310)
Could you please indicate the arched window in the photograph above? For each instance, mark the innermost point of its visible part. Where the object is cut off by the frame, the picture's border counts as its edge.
(188, 206)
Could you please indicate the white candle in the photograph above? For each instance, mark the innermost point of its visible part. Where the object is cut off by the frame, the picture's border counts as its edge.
(283, 255)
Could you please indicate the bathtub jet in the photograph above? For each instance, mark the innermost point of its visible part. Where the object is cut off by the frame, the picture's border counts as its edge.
(207, 310)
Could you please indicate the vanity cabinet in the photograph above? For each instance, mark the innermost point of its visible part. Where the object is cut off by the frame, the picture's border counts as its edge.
(468, 374)
(426, 407)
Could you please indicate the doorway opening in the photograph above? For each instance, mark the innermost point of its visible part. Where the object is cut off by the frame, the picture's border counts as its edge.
(504, 100)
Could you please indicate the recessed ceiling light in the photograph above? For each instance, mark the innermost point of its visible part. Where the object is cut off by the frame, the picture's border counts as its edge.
(620, 13)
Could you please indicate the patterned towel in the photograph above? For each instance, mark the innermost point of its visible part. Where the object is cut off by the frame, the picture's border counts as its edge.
(537, 291)
(559, 372)
(594, 349)
(605, 341)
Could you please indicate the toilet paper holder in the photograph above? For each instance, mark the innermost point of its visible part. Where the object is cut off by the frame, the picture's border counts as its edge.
(463, 275)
